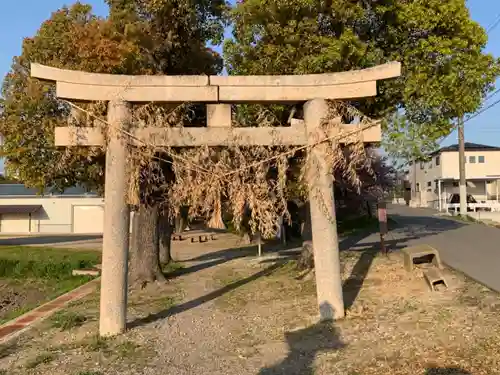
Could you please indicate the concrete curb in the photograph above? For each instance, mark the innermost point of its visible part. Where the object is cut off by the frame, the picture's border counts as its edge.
(22, 323)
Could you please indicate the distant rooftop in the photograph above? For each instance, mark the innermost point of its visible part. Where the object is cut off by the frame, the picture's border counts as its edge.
(18, 190)
(468, 147)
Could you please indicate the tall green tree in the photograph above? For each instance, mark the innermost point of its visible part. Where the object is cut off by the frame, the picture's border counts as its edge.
(446, 72)
(174, 33)
(407, 142)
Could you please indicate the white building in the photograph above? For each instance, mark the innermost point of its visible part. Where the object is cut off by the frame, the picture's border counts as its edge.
(434, 180)
(22, 211)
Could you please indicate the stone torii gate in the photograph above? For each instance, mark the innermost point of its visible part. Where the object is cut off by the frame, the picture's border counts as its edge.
(218, 92)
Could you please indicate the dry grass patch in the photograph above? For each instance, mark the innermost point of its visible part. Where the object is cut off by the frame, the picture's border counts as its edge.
(43, 358)
(394, 324)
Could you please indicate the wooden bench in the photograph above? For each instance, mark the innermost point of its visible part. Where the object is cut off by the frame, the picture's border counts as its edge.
(203, 238)
(420, 252)
(195, 236)
(87, 272)
(433, 277)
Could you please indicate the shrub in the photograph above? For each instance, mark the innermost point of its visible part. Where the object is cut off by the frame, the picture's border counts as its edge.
(66, 320)
(41, 268)
(41, 358)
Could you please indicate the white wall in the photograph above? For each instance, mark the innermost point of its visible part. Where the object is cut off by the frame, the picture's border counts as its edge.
(490, 167)
(55, 216)
(427, 172)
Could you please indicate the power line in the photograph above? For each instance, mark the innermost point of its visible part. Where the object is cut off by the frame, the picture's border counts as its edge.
(489, 29)
(494, 24)
(482, 111)
(474, 115)
(491, 95)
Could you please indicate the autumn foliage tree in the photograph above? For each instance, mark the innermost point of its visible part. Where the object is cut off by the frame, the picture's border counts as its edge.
(138, 37)
(29, 108)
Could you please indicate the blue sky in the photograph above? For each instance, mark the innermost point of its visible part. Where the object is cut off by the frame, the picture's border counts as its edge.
(21, 18)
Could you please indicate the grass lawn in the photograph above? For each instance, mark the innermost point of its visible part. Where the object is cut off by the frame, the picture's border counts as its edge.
(30, 276)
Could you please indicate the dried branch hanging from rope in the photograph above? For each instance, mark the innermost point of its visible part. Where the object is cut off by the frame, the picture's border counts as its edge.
(238, 178)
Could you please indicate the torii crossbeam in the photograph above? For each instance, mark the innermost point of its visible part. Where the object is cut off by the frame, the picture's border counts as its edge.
(218, 93)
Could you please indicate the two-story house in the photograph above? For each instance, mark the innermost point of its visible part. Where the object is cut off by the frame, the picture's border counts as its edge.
(434, 180)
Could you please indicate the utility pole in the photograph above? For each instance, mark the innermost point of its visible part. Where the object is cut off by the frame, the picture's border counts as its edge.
(461, 165)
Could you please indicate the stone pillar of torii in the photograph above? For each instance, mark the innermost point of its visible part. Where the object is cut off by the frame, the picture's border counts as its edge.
(218, 93)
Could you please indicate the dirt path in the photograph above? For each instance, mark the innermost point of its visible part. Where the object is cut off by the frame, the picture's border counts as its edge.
(194, 324)
(208, 338)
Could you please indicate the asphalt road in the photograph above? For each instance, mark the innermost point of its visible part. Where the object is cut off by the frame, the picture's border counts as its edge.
(471, 248)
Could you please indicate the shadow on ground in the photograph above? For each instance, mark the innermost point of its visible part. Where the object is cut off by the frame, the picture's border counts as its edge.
(303, 346)
(369, 250)
(352, 285)
(8, 348)
(420, 227)
(203, 299)
(281, 252)
(212, 259)
(446, 371)
(247, 251)
(47, 239)
(427, 225)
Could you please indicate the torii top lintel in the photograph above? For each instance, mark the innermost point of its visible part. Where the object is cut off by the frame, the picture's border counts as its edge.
(78, 85)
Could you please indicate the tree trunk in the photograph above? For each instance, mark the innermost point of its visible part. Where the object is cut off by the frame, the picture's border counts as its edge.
(306, 259)
(216, 221)
(294, 225)
(245, 229)
(165, 229)
(144, 252)
(181, 221)
(306, 230)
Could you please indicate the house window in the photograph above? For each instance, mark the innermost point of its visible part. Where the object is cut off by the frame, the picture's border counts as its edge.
(429, 184)
(438, 160)
(472, 159)
(417, 188)
(480, 159)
